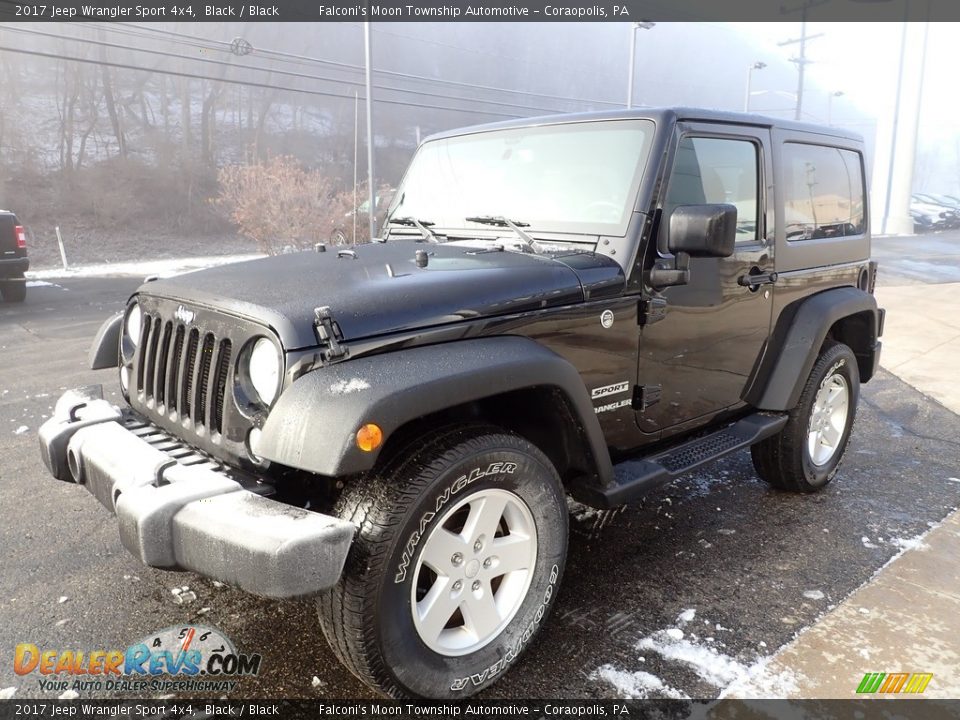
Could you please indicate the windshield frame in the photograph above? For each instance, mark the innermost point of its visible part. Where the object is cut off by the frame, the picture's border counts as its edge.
(576, 231)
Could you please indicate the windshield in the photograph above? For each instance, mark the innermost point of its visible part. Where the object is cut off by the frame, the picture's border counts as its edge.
(571, 178)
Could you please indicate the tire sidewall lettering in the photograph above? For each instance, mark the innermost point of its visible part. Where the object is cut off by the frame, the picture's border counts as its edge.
(463, 481)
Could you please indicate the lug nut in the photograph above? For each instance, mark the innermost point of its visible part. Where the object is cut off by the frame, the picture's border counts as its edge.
(476, 585)
(457, 586)
(456, 559)
(477, 546)
(487, 563)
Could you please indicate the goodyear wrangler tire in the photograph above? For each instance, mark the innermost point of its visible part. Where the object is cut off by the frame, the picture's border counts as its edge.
(806, 454)
(457, 560)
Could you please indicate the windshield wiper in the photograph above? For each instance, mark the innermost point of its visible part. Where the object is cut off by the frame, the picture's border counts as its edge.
(422, 225)
(516, 226)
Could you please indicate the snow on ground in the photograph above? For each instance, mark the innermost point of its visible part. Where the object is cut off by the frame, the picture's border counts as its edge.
(703, 657)
(159, 268)
(637, 685)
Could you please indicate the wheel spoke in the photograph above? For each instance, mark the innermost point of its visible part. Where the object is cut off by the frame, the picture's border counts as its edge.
(512, 552)
(830, 435)
(480, 613)
(484, 517)
(440, 549)
(436, 609)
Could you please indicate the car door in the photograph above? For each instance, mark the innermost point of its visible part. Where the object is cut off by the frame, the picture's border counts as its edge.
(697, 356)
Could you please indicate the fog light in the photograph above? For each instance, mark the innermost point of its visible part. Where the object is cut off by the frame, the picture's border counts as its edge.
(369, 437)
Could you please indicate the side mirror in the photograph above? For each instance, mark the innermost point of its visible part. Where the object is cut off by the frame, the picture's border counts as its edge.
(703, 230)
(695, 231)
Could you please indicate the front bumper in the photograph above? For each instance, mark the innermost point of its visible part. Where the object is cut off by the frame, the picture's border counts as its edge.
(177, 509)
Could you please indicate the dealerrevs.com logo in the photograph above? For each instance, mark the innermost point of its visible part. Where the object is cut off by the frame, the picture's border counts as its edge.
(176, 659)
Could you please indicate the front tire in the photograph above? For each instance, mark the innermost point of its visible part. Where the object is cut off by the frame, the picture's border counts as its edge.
(806, 454)
(457, 560)
(14, 289)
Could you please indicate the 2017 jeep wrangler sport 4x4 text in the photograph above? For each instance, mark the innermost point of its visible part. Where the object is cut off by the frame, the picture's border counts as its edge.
(588, 305)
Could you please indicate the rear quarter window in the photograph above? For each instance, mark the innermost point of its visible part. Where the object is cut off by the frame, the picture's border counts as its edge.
(823, 195)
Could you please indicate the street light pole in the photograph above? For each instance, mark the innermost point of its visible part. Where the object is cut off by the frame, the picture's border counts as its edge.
(830, 97)
(372, 212)
(750, 68)
(633, 56)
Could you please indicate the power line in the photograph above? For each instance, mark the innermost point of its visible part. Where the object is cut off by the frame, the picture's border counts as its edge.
(267, 86)
(286, 73)
(306, 59)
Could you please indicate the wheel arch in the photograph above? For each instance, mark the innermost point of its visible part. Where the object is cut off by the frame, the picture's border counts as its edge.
(510, 381)
(846, 314)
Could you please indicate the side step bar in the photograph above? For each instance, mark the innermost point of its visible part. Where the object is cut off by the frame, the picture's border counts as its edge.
(634, 478)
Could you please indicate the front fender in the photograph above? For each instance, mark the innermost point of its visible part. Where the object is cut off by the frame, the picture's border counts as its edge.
(313, 424)
(105, 351)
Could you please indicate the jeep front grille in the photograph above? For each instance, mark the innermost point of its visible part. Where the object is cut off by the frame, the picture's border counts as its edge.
(182, 372)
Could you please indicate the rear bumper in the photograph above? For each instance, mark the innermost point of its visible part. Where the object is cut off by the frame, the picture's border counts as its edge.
(13, 266)
(177, 510)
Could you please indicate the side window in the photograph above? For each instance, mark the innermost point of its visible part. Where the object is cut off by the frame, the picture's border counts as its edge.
(823, 192)
(717, 170)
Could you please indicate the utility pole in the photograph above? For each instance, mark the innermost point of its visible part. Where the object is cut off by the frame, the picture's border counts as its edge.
(369, 70)
(801, 60)
(356, 144)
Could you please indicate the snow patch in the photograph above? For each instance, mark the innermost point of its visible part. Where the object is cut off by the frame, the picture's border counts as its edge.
(637, 685)
(69, 695)
(686, 616)
(62, 599)
(709, 664)
(914, 543)
(813, 594)
(867, 544)
(7, 693)
(21, 430)
(956, 480)
(345, 387)
(158, 268)
(675, 633)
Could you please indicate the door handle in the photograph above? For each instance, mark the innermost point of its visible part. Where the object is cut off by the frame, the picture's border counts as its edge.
(757, 277)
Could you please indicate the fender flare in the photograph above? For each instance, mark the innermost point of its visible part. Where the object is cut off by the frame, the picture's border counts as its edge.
(105, 351)
(795, 343)
(313, 424)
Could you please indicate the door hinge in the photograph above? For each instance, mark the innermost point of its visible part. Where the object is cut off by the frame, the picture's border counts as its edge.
(329, 334)
(644, 396)
(652, 309)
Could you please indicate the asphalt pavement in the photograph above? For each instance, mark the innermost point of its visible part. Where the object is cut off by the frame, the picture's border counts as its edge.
(734, 568)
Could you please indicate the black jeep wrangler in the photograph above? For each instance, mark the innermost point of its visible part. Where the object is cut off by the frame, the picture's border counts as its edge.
(13, 258)
(585, 305)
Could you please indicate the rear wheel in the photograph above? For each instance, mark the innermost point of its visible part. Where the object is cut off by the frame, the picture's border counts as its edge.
(806, 454)
(14, 289)
(460, 548)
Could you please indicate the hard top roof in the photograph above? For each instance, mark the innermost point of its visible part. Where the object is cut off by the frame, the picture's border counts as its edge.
(660, 115)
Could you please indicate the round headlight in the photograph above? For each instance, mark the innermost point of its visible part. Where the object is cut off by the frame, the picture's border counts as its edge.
(264, 370)
(132, 324)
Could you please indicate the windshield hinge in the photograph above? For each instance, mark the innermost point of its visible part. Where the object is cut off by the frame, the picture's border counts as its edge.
(645, 395)
(329, 334)
(652, 309)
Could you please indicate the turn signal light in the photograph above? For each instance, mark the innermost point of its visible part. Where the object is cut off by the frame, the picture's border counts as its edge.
(369, 437)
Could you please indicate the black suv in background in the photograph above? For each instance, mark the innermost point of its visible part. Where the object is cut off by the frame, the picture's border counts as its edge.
(13, 258)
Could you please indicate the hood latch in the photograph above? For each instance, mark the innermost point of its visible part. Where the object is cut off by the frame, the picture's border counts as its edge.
(329, 334)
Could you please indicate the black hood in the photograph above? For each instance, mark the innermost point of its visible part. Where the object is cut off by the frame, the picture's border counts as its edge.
(377, 288)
